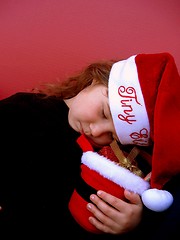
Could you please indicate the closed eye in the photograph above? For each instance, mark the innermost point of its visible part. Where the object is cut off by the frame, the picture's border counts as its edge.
(104, 114)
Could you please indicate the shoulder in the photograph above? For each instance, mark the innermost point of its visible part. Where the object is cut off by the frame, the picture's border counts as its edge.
(26, 101)
(28, 96)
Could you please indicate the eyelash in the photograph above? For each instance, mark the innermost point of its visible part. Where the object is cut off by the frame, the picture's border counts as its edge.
(103, 114)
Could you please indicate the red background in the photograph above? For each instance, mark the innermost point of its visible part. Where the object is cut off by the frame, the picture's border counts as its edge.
(45, 40)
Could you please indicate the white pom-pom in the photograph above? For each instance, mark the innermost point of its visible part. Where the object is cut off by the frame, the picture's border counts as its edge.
(157, 200)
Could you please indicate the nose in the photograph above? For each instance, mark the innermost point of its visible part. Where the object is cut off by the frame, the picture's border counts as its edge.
(99, 129)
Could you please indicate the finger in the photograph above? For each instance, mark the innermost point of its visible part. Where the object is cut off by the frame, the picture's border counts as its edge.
(106, 211)
(100, 208)
(133, 197)
(115, 202)
(108, 218)
(100, 220)
(101, 226)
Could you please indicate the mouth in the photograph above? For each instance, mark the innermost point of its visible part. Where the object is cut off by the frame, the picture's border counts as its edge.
(82, 131)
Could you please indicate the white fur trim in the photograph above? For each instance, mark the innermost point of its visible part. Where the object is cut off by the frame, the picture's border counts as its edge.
(127, 104)
(117, 174)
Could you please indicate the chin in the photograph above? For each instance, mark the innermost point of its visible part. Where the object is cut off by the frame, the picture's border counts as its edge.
(97, 145)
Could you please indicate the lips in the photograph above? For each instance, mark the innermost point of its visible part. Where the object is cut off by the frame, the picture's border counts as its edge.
(84, 131)
(80, 128)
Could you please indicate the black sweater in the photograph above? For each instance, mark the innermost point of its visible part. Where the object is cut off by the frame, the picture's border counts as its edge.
(38, 166)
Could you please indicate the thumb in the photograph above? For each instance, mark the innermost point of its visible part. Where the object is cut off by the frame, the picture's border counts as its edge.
(132, 197)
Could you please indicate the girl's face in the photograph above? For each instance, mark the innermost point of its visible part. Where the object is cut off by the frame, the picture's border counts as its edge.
(89, 114)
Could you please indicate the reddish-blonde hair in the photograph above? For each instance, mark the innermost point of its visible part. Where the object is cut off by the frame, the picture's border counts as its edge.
(70, 87)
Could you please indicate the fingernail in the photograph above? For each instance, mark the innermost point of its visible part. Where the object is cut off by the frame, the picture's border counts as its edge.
(89, 206)
(99, 192)
(92, 197)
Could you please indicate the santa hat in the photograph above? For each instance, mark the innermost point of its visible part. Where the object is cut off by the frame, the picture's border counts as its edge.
(100, 171)
(145, 106)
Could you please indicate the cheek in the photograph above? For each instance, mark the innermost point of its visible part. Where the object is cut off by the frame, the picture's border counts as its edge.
(86, 112)
(77, 113)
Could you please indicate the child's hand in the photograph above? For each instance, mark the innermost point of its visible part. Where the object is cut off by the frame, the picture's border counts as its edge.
(113, 215)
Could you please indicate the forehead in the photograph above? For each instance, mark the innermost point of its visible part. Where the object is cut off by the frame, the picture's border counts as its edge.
(100, 87)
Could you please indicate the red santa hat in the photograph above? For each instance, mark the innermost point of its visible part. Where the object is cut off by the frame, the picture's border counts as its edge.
(145, 106)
